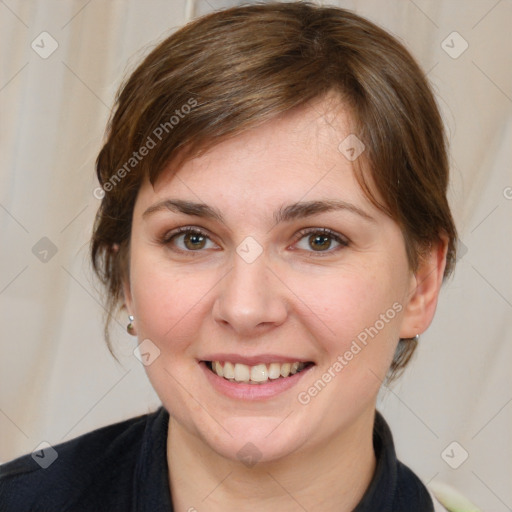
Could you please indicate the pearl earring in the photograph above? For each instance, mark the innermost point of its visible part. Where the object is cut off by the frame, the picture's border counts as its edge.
(129, 328)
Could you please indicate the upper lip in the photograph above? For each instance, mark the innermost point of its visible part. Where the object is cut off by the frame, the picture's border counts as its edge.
(254, 360)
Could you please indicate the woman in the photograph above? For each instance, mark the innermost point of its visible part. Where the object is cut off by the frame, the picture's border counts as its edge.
(275, 226)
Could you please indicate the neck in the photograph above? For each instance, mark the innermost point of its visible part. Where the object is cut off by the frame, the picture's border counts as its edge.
(330, 477)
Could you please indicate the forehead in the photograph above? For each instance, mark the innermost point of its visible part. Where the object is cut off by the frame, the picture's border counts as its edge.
(300, 155)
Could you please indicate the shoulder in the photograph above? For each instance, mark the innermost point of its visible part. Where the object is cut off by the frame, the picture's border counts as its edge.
(56, 477)
(446, 498)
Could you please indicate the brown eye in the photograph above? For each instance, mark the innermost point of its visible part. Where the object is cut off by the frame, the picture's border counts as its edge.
(321, 240)
(194, 241)
(188, 240)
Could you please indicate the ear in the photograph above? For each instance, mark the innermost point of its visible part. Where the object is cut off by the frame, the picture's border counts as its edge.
(127, 293)
(424, 290)
(125, 281)
(129, 306)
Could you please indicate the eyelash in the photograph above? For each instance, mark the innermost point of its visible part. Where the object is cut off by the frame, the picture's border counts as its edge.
(167, 239)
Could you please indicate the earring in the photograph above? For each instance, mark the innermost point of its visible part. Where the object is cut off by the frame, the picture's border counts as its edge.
(129, 327)
(414, 338)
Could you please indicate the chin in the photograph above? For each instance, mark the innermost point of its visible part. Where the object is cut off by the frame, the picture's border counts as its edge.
(254, 440)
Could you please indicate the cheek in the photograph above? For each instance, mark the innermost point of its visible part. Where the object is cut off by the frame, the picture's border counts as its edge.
(169, 308)
(355, 314)
(165, 302)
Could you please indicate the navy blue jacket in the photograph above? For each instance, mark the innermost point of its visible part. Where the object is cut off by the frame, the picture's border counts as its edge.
(123, 468)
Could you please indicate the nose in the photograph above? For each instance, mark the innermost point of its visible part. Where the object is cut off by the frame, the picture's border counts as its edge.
(251, 299)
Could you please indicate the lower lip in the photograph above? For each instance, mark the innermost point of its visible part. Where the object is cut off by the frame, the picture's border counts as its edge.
(242, 391)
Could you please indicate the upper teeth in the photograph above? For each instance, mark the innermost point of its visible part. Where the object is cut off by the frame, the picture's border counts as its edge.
(258, 373)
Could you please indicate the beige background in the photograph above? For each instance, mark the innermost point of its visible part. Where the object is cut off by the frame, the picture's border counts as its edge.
(57, 379)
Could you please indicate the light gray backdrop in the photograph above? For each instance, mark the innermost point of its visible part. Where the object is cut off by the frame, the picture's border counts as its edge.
(61, 64)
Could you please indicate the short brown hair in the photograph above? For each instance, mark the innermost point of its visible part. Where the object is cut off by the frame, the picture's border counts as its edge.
(234, 69)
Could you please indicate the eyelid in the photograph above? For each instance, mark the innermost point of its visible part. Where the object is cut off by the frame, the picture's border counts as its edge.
(340, 239)
(185, 229)
(325, 231)
(170, 235)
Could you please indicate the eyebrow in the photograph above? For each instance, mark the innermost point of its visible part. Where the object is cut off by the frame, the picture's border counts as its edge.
(287, 213)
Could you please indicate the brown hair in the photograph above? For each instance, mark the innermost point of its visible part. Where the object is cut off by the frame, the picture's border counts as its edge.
(234, 69)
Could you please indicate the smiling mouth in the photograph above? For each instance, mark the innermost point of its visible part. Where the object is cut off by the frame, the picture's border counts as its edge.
(257, 374)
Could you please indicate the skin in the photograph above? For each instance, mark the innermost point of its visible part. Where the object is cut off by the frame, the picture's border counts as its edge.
(295, 299)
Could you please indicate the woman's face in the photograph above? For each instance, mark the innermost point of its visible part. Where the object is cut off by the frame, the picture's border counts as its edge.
(289, 263)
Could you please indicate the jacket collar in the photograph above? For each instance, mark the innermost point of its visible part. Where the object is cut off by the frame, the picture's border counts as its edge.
(393, 488)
